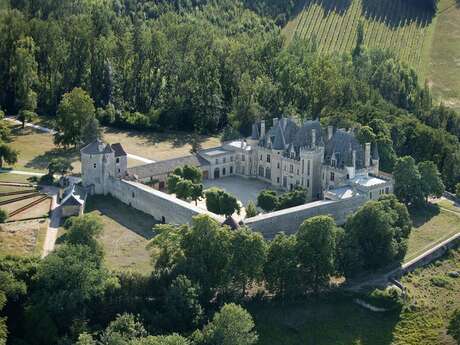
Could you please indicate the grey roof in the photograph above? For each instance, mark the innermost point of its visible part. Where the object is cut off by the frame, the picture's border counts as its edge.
(96, 147)
(73, 196)
(118, 149)
(341, 148)
(287, 134)
(167, 166)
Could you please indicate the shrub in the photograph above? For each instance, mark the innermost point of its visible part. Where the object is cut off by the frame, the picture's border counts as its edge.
(251, 210)
(3, 215)
(267, 200)
(390, 298)
(439, 281)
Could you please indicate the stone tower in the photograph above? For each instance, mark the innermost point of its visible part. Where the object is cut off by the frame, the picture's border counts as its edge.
(101, 162)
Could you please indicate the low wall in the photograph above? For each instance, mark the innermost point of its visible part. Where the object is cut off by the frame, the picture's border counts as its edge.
(163, 207)
(290, 219)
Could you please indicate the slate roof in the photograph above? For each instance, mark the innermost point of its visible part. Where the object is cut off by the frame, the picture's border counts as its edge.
(286, 134)
(167, 166)
(341, 148)
(96, 147)
(119, 150)
(73, 196)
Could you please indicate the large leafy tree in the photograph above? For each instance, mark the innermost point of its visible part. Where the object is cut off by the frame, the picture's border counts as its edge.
(431, 181)
(84, 230)
(7, 154)
(281, 267)
(316, 251)
(232, 325)
(76, 109)
(220, 202)
(407, 177)
(267, 200)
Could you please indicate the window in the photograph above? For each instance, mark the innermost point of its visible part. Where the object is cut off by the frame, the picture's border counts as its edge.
(387, 190)
(261, 157)
(224, 171)
(118, 160)
(134, 195)
(292, 155)
(94, 165)
(231, 158)
(332, 176)
(277, 180)
(261, 171)
(308, 167)
(268, 158)
(308, 183)
(231, 170)
(217, 161)
(370, 195)
(268, 174)
(225, 160)
(284, 181)
(243, 158)
(119, 170)
(298, 172)
(278, 165)
(333, 162)
(291, 169)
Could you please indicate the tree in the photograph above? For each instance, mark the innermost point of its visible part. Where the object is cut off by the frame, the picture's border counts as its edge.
(3, 215)
(84, 230)
(68, 282)
(358, 50)
(184, 189)
(75, 111)
(267, 200)
(232, 325)
(251, 210)
(25, 78)
(7, 154)
(196, 192)
(281, 267)
(125, 328)
(189, 172)
(221, 202)
(316, 251)
(454, 326)
(366, 135)
(90, 131)
(407, 177)
(432, 184)
(294, 198)
(195, 143)
(172, 182)
(59, 165)
(375, 236)
(183, 310)
(249, 251)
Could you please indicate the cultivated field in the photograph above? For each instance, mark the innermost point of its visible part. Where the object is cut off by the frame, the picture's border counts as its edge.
(336, 320)
(125, 235)
(393, 24)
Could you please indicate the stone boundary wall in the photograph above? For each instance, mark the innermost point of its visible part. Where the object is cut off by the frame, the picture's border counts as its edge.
(290, 219)
(163, 207)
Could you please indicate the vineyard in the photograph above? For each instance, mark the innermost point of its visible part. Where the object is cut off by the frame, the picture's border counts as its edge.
(394, 24)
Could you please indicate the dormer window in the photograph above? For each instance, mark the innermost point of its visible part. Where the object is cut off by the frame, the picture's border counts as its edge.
(292, 155)
(333, 163)
(118, 160)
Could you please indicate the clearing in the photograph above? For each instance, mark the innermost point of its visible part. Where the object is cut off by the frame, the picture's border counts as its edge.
(125, 235)
(23, 238)
(336, 320)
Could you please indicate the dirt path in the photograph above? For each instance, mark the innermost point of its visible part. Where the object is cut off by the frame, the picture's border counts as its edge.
(55, 221)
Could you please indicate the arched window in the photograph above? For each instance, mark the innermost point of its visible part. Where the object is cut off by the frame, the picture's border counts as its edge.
(261, 171)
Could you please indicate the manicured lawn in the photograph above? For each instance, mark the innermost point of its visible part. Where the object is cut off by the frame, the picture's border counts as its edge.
(7, 177)
(156, 146)
(430, 228)
(338, 321)
(450, 205)
(125, 236)
(23, 238)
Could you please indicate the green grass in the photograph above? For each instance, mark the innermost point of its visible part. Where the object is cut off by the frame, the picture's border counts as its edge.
(7, 177)
(125, 236)
(394, 24)
(442, 55)
(337, 320)
(431, 227)
(23, 238)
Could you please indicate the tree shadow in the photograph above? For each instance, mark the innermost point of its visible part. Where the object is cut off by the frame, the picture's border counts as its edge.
(130, 218)
(423, 215)
(41, 162)
(397, 13)
(323, 321)
(337, 6)
(176, 138)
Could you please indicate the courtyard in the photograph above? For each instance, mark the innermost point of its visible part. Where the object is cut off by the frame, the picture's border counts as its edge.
(244, 189)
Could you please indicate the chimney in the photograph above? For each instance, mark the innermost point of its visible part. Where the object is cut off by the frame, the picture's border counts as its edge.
(313, 138)
(354, 158)
(367, 155)
(262, 128)
(330, 132)
(275, 121)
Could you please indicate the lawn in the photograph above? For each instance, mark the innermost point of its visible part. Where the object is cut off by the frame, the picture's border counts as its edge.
(431, 227)
(157, 146)
(7, 177)
(336, 320)
(23, 238)
(125, 236)
(442, 61)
